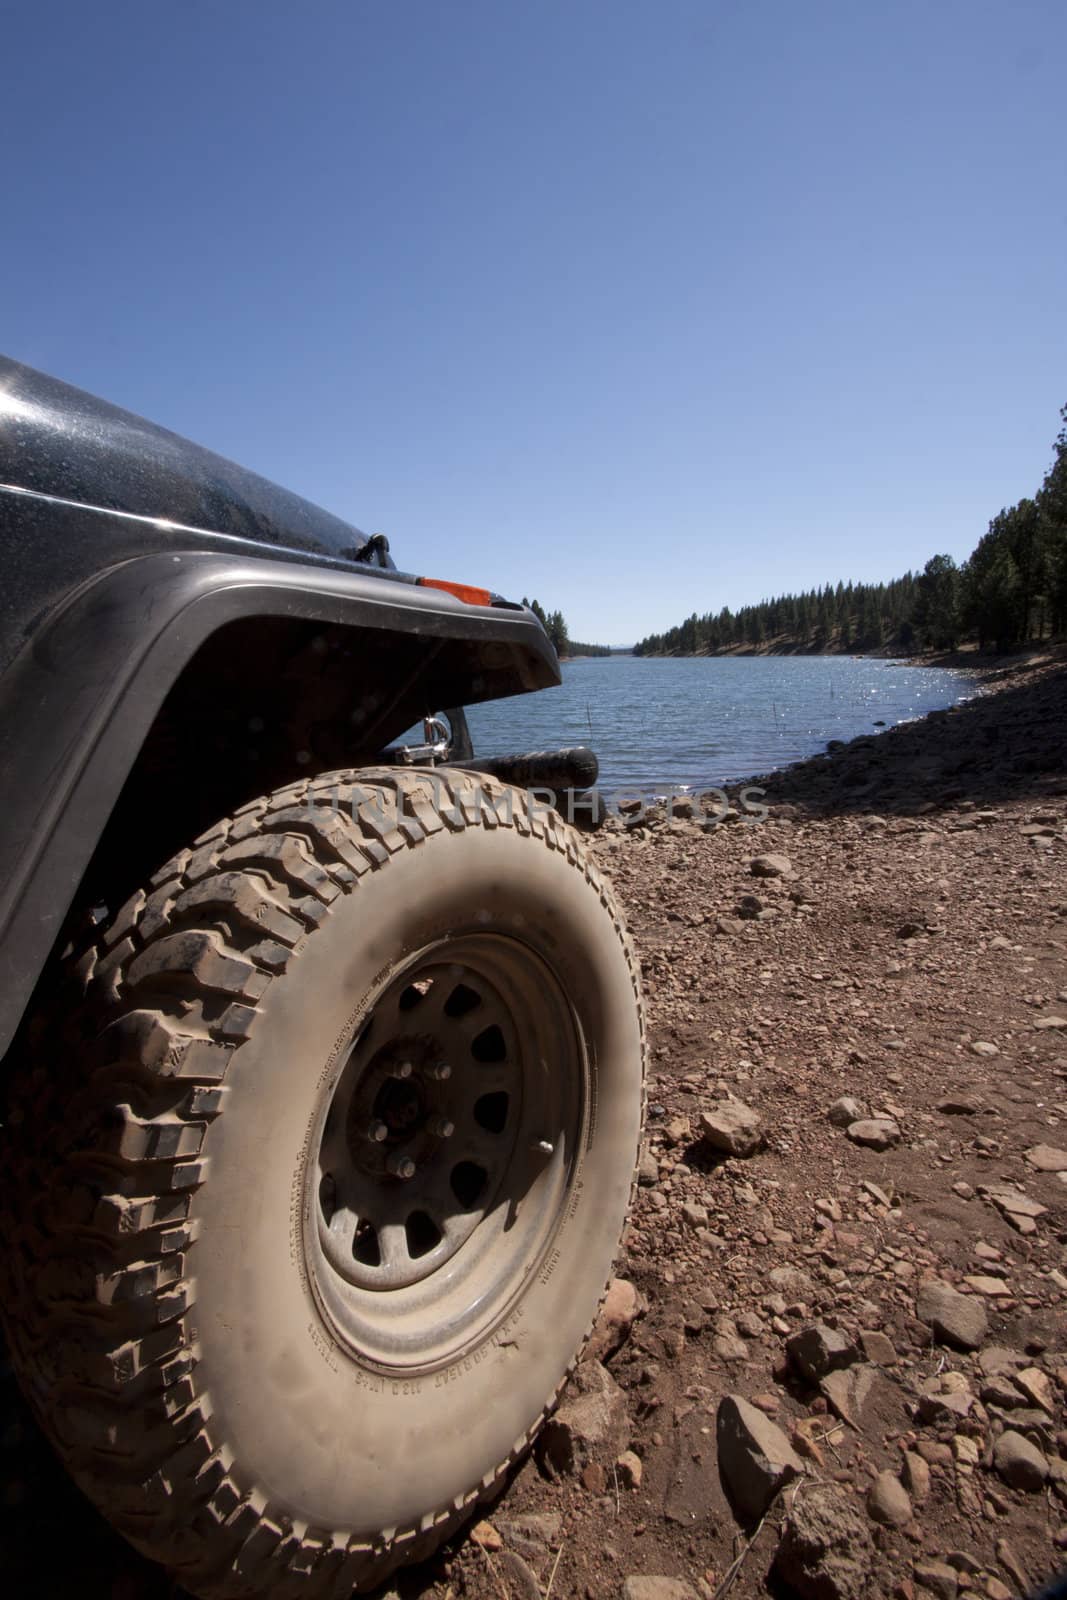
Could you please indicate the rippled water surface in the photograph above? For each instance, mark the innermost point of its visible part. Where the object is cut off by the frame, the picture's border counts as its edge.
(711, 720)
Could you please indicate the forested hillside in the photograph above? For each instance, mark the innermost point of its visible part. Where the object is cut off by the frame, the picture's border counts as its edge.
(555, 626)
(1013, 588)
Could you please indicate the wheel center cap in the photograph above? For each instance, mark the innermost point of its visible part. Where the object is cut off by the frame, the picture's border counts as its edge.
(399, 1105)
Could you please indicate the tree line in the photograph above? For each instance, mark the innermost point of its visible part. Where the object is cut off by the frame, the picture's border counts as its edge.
(1011, 589)
(555, 626)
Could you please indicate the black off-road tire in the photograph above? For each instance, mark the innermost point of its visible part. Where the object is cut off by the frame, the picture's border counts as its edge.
(240, 1410)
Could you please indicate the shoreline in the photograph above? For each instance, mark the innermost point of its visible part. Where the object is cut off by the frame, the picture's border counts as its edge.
(878, 972)
(836, 766)
(969, 658)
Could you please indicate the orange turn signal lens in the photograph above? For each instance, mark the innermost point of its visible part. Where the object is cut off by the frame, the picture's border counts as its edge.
(462, 591)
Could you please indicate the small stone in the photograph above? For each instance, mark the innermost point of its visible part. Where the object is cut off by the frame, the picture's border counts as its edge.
(996, 1359)
(916, 1476)
(1036, 1387)
(1013, 1566)
(933, 1451)
(826, 1551)
(630, 1469)
(486, 1536)
(878, 1348)
(1016, 1207)
(695, 1215)
(519, 1581)
(941, 1406)
(806, 1438)
(755, 1457)
(772, 866)
(997, 1391)
(877, 1133)
(1046, 1158)
(594, 1478)
(960, 1105)
(848, 1391)
(792, 1281)
(888, 1501)
(728, 1347)
(647, 1170)
(732, 1127)
(621, 1308)
(845, 1111)
(1019, 1463)
(694, 1317)
(938, 1577)
(995, 1590)
(958, 1318)
(657, 1589)
(532, 1533)
(982, 1047)
(591, 1417)
(1051, 1022)
(992, 1288)
(817, 1350)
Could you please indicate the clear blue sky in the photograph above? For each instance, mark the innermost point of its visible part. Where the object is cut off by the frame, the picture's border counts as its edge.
(638, 307)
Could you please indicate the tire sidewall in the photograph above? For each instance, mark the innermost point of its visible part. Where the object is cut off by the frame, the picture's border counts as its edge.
(328, 1438)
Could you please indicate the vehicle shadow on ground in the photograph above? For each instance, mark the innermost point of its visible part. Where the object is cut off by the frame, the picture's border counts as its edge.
(998, 747)
(54, 1542)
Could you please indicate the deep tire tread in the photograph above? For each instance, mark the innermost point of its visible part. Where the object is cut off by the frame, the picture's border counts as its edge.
(95, 1283)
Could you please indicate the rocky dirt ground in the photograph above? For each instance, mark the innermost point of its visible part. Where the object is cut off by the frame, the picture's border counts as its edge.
(836, 1356)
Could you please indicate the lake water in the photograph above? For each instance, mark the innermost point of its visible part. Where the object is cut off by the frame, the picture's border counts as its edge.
(711, 720)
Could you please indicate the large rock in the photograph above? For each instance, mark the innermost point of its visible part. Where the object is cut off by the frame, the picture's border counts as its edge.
(826, 1551)
(816, 1350)
(1019, 1462)
(621, 1308)
(731, 1126)
(591, 1421)
(755, 1457)
(958, 1318)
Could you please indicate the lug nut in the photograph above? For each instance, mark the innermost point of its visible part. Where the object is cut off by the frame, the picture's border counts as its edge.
(439, 1071)
(545, 1146)
(402, 1069)
(401, 1166)
(441, 1128)
(377, 1131)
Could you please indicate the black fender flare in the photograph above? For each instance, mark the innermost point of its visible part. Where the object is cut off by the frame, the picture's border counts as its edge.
(78, 701)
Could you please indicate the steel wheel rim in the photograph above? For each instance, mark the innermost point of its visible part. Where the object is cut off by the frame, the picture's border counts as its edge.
(413, 1268)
